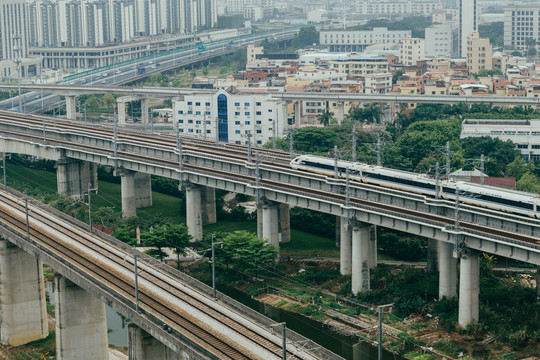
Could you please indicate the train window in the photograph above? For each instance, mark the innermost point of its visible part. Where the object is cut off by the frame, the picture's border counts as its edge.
(323, 166)
(508, 202)
(397, 180)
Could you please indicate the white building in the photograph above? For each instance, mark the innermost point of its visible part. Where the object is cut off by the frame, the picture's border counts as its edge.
(524, 133)
(520, 23)
(468, 23)
(376, 8)
(411, 51)
(232, 115)
(378, 83)
(440, 39)
(251, 9)
(358, 40)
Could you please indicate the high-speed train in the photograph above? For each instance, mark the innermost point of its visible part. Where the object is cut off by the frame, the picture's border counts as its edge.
(475, 194)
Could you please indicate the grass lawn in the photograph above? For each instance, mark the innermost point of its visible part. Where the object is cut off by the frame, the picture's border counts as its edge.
(109, 194)
(302, 244)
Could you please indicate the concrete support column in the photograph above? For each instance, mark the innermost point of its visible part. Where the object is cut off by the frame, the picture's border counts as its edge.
(447, 271)
(297, 115)
(360, 258)
(285, 119)
(208, 202)
(121, 112)
(270, 223)
(144, 111)
(127, 182)
(345, 250)
(469, 288)
(81, 326)
(373, 247)
(340, 111)
(74, 176)
(142, 346)
(284, 223)
(143, 190)
(71, 108)
(23, 312)
(194, 212)
(538, 283)
(433, 256)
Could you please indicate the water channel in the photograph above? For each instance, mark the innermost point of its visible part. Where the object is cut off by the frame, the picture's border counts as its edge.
(347, 347)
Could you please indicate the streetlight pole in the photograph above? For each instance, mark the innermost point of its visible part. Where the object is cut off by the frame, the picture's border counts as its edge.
(18, 50)
(136, 282)
(284, 338)
(90, 207)
(214, 265)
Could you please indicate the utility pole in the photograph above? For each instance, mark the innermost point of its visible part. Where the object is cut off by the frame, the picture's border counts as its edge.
(115, 138)
(136, 282)
(336, 157)
(274, 134)
(291, 141)
(447, 153)
(180, 158)
(214, 265)
(353, 145)
(257, 177)
(437, 186)
(4, 166)
(18, 49)
(249, 135)
(379, 340)
(284, 337)
(456, 221)
(379, 152)
(482, 169)
(90, 207)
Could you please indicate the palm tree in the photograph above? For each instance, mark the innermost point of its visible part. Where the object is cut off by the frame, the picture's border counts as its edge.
(325, 117)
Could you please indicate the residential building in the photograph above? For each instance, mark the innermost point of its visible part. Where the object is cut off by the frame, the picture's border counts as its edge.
(374, 8)
(358, 67)
(479, 53)
(15, 39)
(524, 133)
(378, 83)
(358, 40)
(251, 9)
(235, 117)
(521, 22)
(468, 23)
(252, 52)
(441, 39)
(448, 14)
(412, 50)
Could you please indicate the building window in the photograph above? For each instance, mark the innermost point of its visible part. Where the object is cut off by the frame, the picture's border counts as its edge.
(258, 104)
(180, 121)
(246, 104)
(207, 104)
(258, 113)
(189, 103)
(237, 113)
(190, 112)
(180, 112)
(190, 121)
(197, 104)
(237, 122)
(247, 122)
(236, 104)
(223, 119)
(207, 113)
(190, 130)
(247, 113)
(237, 131)
(197, 113)
(258, 122)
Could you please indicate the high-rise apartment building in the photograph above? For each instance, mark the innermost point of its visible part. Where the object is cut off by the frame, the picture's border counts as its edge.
(468, 23)
(14, 29)
(384, 8)
(521, 22)
(479, 53)
(441, 39)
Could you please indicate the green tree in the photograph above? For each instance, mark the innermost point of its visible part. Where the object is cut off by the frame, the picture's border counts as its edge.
(107, 217)
(246, 252)
(92, 103)
(155, 238)
(529, 183)
(494, 31)
(177, 236)
(516, 168)
(307, 36)
(531, 47)
(193, 73)
(109, 101)
(325, 117)
(205, 71)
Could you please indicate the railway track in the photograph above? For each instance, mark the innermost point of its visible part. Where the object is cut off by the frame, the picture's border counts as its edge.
(270, 159)
(178, 306)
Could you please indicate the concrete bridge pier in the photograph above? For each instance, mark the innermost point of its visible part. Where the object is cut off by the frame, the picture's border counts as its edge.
(469, 288)
(81, 326)
(136, 191)
(71, 108)
(121, 103)
(433, 256)
(23, 312)
(340, 111)
(144, 111)
(75, 177)
(345, 249)
(360, 258)
(273, 222)
(447, 271)
(373, 247)
(200, 209)
(142, 346)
